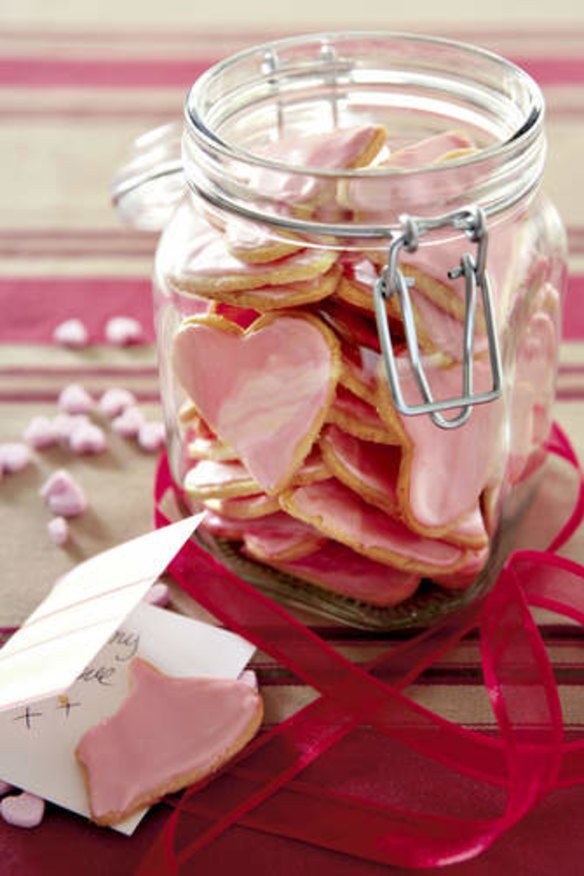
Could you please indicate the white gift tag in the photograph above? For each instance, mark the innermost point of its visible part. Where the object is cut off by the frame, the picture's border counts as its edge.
(39, 739)
(81, 612)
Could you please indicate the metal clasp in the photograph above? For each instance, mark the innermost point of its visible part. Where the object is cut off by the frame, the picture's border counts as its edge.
(392, 281)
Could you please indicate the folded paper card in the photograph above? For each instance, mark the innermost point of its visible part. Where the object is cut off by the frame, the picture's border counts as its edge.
(39, 739)
(81, 612)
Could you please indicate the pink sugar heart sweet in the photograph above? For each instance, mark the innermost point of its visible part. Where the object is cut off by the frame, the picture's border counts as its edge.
(265, 391)
(74, 399)
(58, 530)
(87, 439)
(115, 401)
(5, 788)
(123, 330)
(63, 495)
(65, 424)
(71, 333)
(249, 677)
(159, 594)
(151, 436)
(128, 423)
(14, 457)
(22, 810)
(40, 433)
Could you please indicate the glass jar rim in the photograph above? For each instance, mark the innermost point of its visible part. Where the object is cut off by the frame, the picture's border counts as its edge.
(531, 123)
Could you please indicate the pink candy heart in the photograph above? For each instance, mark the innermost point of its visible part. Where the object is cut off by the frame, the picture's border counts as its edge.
(58, 530)
(115, 401)
(123, 330)
(63, 495)
(14, 457)
(87, 439)
(74, 399)
(128, 423)
(40, 433)
(71, 333)
(22, 810)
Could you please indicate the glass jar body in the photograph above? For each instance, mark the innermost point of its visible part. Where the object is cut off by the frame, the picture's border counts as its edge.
(280, 417)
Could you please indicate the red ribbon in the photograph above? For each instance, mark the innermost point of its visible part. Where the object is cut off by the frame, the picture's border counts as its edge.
(525, 761)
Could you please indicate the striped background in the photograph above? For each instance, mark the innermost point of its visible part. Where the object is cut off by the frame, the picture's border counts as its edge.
(72, 98)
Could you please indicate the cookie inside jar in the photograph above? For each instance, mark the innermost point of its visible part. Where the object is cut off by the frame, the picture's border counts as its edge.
(317, 482)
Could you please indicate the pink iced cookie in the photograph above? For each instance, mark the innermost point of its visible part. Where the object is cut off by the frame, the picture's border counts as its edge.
(224, 372)
(40, 433)
(74, 399)
(87, 439)
(123, 330)
(63, 495)
(339, 569)
(22, 810)
(151, 436)
(58, 530)
(195, 725)
(71, 333)
(336, 511)
(115, 401)
(443, 472)
(14, 457)
(128, 423)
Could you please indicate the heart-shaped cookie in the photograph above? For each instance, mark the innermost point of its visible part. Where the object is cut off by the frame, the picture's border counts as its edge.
(265, 391)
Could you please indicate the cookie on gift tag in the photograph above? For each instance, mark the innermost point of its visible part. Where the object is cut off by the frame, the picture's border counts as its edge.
(167, 734)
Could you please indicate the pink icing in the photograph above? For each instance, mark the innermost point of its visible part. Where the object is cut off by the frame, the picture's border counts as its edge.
(532, 392)
(353, 325)
(210, 260)
(378, 194)
(279, 530)
(374, 466)
(264, 392)
(337, 568)
(446, 470)
(166, 731)
(333, 150)
(342, 515)
(211, 473)
(354, 408)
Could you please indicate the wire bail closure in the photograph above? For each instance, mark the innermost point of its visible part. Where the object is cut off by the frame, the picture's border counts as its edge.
(392, 281)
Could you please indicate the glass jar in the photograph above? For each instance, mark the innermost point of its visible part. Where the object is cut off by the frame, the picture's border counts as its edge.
(358, 303)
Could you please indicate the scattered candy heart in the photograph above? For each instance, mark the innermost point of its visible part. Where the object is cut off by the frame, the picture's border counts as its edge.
(58, 530)
(249, 677)
(65, 424)
(151, 436)
(71, 333)
(123, 330)
(40, 433)
(115, 401)
(74, 399)
(87, 438)
(159, 594)
(128, 423)
(5, 788)
(14, 457)
(63, 495)
(22, 810)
